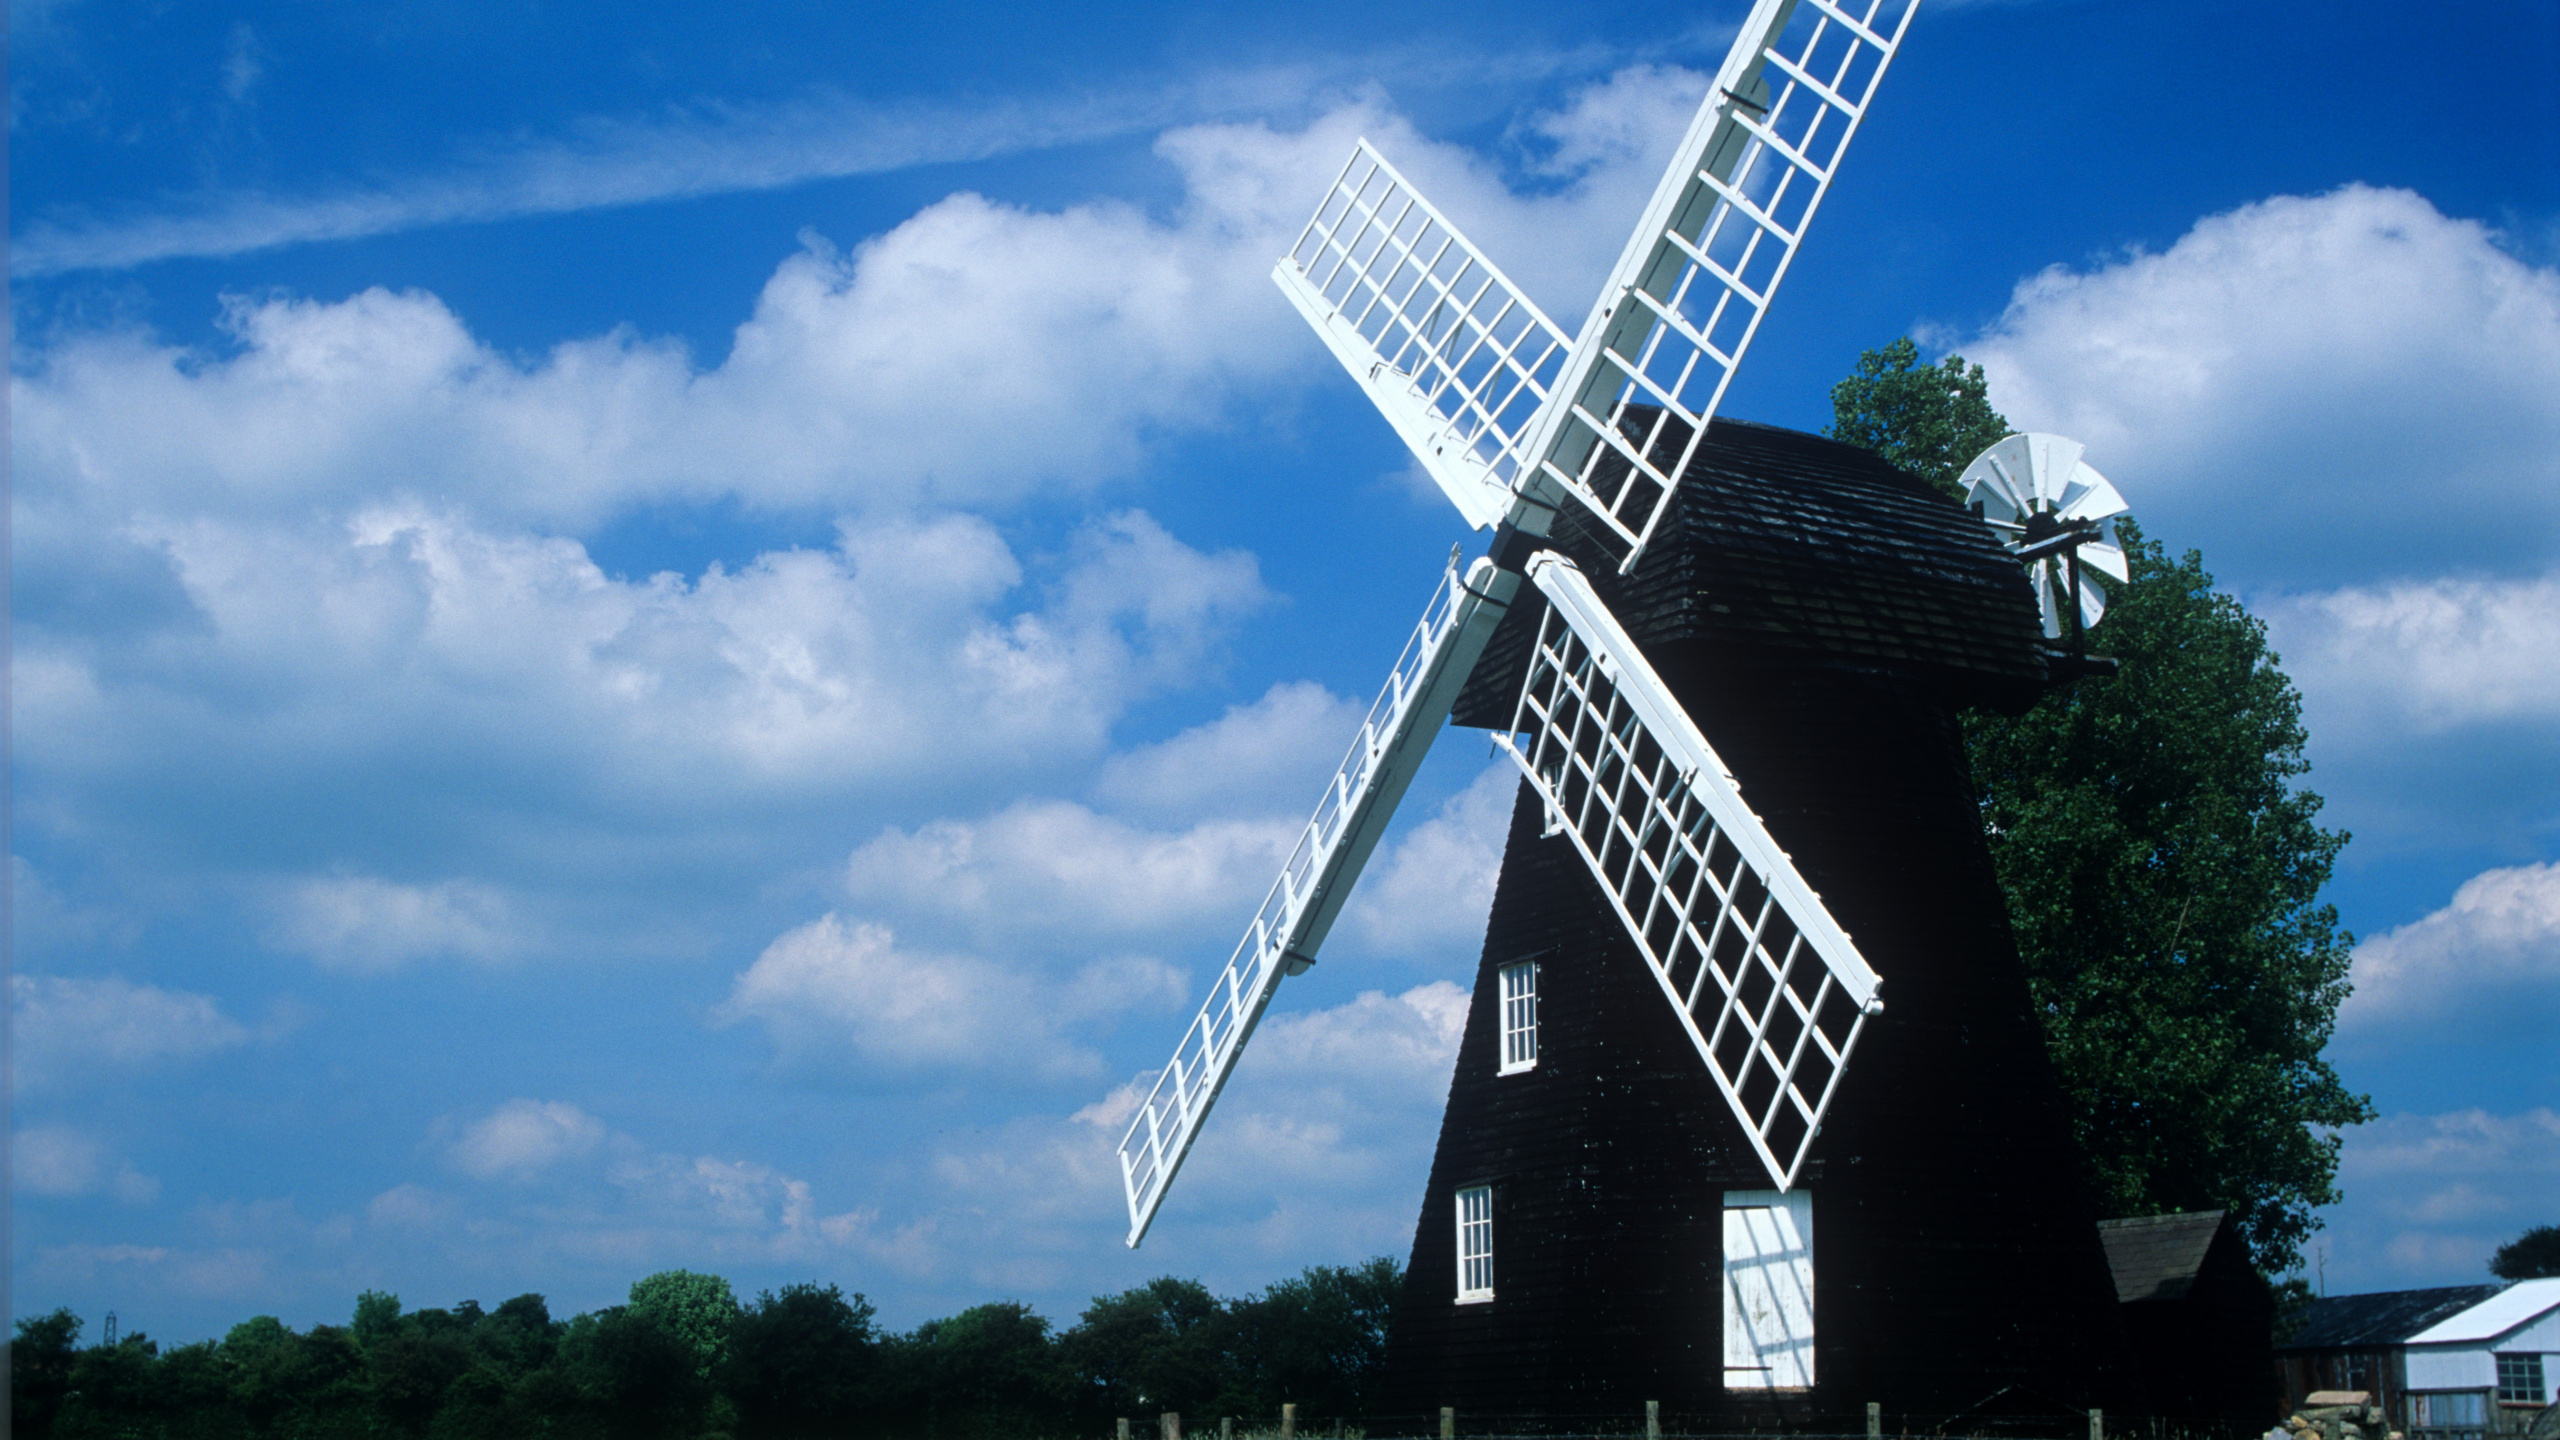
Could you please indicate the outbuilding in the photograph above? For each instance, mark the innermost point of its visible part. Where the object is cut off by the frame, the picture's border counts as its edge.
(2360, 1342)
(2490, 1369)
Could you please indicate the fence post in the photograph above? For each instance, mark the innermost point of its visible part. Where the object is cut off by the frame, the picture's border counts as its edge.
(1288, 1422)
(1226, 1427)
(1653, 1420)
(1124, 1427)
(2097, 1424)
(1875, 1421)
(1448, 1422)
(1170, 1425)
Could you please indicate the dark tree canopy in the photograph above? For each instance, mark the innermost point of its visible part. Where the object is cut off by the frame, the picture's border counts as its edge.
(2533, 1255)
(2162, 869)
(1928, 419)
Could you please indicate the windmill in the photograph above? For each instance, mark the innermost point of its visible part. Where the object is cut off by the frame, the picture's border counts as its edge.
(1702, 949)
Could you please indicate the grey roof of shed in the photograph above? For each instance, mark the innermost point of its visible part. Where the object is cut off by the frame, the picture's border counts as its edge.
(1788, 542)
(2389, 1317)
(2155, 1257)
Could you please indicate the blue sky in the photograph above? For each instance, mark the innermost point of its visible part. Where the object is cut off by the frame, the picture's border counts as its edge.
(653, 636)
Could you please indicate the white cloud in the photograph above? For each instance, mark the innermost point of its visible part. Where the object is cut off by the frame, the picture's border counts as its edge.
(243, 62)
(408, 1208)
(367, 925)
(58, 1162)
(2338, 388)
(1431, 894)
(65, 1028)
(523, 1138)
(2385, 663)
(1058, 871)
(1273, 755)
(1316, 1153)
(2490, 959)
(697, 150)
(2429, 1197)
(975, 354)
(521, 692)
(834, 995)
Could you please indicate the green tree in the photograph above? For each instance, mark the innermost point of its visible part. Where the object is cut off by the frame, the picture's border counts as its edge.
(40, 1359)
(1162, 1346)
(800, 1362)
(2533, 1255)
(2162, 870)
(697, 1309)
(1928, 419)
(637, 1377)
(1317, 1340)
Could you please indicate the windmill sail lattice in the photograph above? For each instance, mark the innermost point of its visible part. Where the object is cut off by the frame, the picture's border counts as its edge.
(1509, 418)
(1451, 352)
(1302, 904)
(1767, 985)
(1653, 361)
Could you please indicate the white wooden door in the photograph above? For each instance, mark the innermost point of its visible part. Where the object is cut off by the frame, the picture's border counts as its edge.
(1768, 1290)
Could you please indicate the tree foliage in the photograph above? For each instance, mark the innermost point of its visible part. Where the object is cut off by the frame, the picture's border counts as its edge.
(1928, 419)
(2533, 1255)
(2162, 869)
(804, 1361)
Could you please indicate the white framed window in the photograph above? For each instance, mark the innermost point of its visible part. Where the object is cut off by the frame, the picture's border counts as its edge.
(1475, 1244)
(1519, 1017)
(2520, 1379)
(1768, 1290)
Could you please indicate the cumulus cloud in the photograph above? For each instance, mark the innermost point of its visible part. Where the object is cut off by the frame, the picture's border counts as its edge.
(2429, 1197)
(2417, 658)
(1061, 871)
(1317, 1151)
(835, 995)
(2350, 387)
(1431, 895)
(1272, 755)
(57, 1162)
(2492, 957)
(362, 924)
(522, 1138)
(520, 691)
(66, 1028)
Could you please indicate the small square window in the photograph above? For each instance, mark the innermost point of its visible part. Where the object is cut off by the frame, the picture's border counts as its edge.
(1519, 1017)
(1475, 1244)
(2520, 1380)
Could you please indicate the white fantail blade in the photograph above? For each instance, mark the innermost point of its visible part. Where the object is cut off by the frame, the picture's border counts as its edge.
(1300, 910)
(1448, 349)
(2023, 477)
(2106, 558)
(1767, 985)
(1652, 362)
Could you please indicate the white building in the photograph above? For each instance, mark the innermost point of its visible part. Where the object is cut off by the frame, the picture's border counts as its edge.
(2491, 1367)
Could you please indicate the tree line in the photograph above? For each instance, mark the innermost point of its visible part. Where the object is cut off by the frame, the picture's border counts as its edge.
(683, 1357)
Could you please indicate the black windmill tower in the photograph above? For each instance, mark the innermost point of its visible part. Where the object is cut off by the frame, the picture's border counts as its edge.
(1658, 1178)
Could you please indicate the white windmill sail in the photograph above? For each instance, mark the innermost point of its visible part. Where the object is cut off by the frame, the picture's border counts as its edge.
(1662, 342)
(1765, 982)
(1303, 902)
(1451, 352)
(1507, 417)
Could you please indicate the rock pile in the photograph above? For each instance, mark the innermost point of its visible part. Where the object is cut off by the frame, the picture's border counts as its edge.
(2338, 1415)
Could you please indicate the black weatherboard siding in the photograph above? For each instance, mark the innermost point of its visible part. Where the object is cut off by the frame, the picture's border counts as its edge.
(1821, 616)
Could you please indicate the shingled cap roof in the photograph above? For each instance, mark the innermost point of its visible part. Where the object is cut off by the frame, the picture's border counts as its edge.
(2155, 1257)
(1787, 542)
